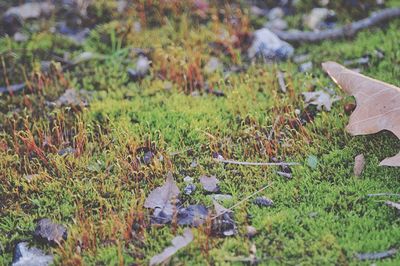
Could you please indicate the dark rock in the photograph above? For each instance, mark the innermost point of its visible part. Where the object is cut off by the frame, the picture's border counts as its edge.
(263, 202)
(268, 46)
(224, 225)
(141, 69)
(50, 232)
(26, 256)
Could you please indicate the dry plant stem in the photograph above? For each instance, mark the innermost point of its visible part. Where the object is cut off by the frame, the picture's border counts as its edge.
(348, 30)
(383, 194)
(243, 200)
(281, 81)
(255, 163)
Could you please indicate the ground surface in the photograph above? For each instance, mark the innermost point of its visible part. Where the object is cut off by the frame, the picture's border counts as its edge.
(321, 216)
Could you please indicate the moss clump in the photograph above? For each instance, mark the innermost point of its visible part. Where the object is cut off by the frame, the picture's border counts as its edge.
(321, 216)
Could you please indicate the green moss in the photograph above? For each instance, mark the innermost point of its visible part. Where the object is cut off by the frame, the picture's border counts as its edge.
(321, 216)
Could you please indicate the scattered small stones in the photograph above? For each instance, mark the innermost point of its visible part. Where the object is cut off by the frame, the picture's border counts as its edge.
(73, 98)
(30, 10)
(276, 13)
(320, 98)
(141, 70)
(319, 18)
(210, 184)
(148, 157)
(312, 161)
(268, 46)
(302, 58)
(189, 189)
(263, 202)
(50, 232)
(25, 255)
(29, 178)
(224, 225)
(221, 197)
(306, 67)
(277, 24)
(193, 164)
(212, 65)
(187, 179)
(358, 61)
(251, 231)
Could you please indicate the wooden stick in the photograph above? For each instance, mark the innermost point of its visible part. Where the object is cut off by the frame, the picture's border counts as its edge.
(348, 30)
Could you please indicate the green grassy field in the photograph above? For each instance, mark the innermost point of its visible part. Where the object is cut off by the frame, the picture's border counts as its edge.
(321, 216)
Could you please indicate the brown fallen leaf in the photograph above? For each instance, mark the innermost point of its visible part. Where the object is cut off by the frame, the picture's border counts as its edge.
(320, 99)
(378, 104)
(359, 163)
(162, 197)
(177, 243)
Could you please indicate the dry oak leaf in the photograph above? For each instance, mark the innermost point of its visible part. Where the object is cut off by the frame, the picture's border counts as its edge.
(378, 104)
(177, 243)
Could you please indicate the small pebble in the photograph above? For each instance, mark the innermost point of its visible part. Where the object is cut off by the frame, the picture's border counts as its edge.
(263, 202)
(251, 231)
(189, 189)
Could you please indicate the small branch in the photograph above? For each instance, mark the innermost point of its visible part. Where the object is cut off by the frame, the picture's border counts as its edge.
(348, 30)
(384, 194)
(378, 255)
(255, 163)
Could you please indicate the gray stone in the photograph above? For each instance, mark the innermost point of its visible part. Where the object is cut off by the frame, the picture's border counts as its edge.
(306, 67)
(315, 19)
(269, 47)
(26, 256)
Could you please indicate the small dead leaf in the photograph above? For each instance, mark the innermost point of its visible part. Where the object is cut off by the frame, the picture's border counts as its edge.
(163, 199)
(161, 196)
(12, 88)
(50, 232)
(320, 99)
(194, 215)
(377, 104)
(359, 163)
(210, 184)
(177, 243)
(219, 209)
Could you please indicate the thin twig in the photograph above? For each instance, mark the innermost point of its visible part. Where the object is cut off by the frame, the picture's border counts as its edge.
(281, 81)
(255, 163)
(384, 194)
(348, 30)
(240, 202)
